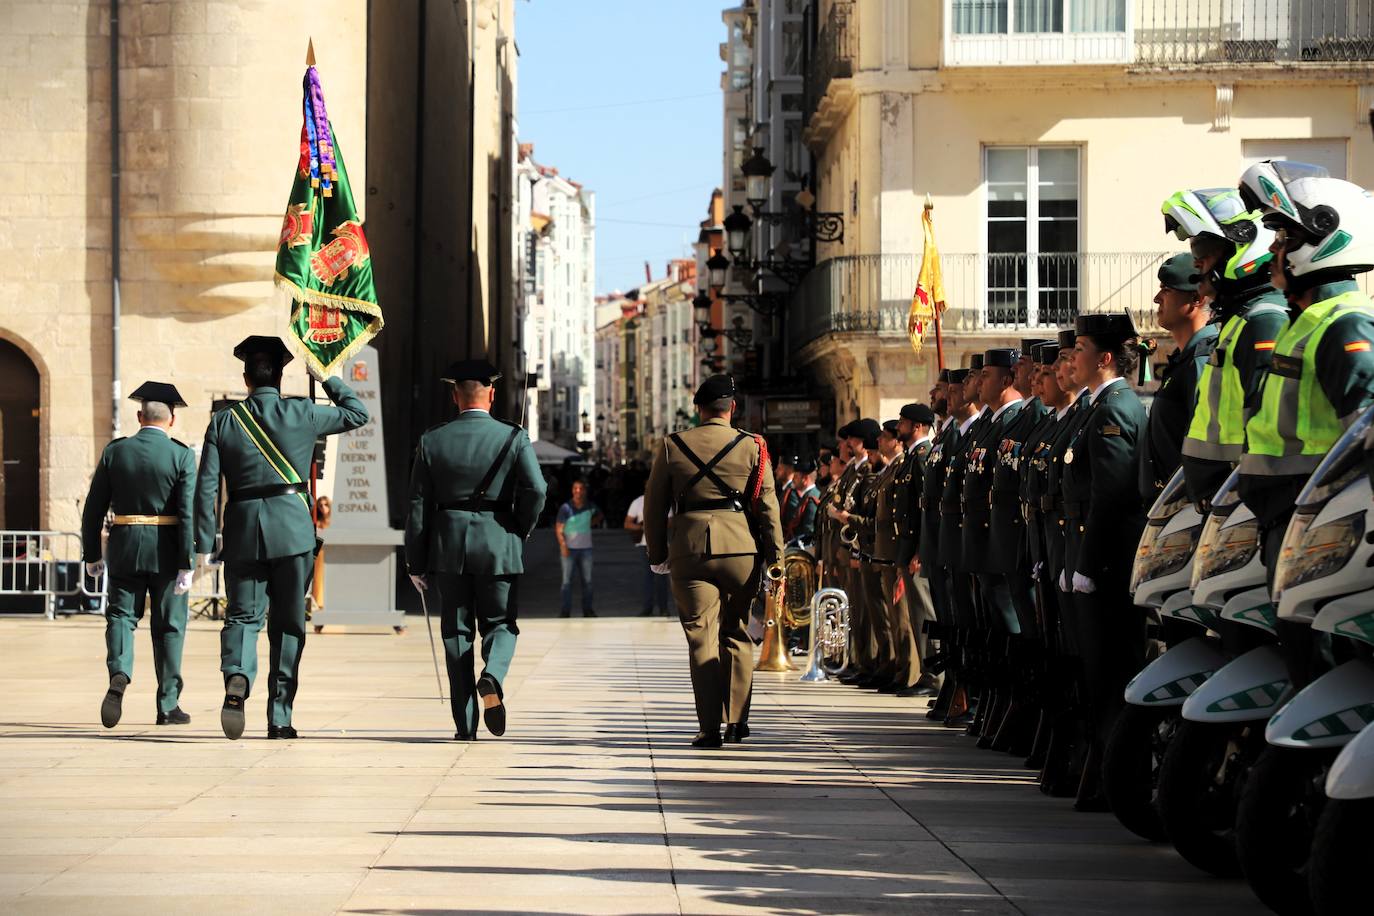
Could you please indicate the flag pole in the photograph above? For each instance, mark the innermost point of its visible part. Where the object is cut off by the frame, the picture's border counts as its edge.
(939, 336)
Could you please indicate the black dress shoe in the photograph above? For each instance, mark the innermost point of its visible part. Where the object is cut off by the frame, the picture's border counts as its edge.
(493, 710)
(173, 716)
(735, 733)
(565, 614)
(960, 721)
(707, 740)
(231, 714)
(112, 707)
(918, 690)
(463, 736)
(284, 732)
(648, 613)
(589, 613)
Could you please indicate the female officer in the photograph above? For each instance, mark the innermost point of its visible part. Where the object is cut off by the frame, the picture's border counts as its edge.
(1104, 520)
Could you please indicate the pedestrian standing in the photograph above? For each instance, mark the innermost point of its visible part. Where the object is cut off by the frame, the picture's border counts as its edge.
(655, 584)
(573, 528)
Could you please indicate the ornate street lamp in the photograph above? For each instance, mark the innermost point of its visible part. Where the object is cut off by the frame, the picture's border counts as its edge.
(737, 226)
(716, 267)
(757, 170)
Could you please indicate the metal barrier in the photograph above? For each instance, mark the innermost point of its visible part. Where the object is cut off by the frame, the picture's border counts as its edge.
(46, 565)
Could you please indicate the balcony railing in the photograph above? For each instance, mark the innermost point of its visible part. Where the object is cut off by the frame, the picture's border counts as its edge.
(870, 295)
(1253, 31)
(1152, 33)
(836, 54)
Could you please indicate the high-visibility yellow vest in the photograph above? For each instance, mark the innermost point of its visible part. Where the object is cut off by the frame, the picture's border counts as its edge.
(1217, 430)
(1296, 424)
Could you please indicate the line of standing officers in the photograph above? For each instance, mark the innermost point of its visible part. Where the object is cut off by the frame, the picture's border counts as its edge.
(1002, 525)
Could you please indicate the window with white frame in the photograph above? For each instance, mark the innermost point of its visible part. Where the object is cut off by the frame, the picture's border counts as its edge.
(1001, 17)
(1032, 275)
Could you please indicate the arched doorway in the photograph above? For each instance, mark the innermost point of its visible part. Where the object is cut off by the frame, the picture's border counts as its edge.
(18, 439)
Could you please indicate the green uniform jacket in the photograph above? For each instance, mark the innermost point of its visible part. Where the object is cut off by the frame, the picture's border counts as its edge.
(1007, 549)
(450, 463)
(979, 471)
(952, 497)
(278, 526)
(146, 474)
(910, 485)
(1100, 480)
(1172, 411)
(932, 488)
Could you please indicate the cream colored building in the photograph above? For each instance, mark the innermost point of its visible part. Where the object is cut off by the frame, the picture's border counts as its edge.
(207, 129)
(1046, 145)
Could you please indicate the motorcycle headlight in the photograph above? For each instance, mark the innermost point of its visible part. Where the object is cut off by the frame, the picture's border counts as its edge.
(1229, 550)
(1310, 553)
(1162, 556)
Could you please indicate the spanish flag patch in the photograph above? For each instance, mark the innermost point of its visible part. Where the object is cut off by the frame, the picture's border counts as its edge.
(1357, 346)
(1264, 345)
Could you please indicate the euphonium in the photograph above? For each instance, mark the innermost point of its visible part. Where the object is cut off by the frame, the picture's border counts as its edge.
(773, 651)
(801, 578)
(829, 634)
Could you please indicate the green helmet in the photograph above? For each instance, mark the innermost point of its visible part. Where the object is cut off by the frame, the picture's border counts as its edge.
(1221, 213)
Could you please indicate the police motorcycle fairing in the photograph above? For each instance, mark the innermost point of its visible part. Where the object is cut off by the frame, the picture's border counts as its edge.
(1139, 739)
(1222, 729)
(1323, 578)
(1343, 843)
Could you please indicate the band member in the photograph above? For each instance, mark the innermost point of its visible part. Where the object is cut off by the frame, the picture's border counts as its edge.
(726, 531)
(148, 479)
(476, 492)
(801, 519)
(263, 447)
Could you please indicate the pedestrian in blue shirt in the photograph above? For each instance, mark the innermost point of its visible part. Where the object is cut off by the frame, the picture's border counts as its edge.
(573, 528)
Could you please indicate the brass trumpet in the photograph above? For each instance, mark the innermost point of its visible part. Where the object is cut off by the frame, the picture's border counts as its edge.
(773, 651)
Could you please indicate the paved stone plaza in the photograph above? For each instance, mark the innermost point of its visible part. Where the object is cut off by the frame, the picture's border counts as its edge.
(842, 802)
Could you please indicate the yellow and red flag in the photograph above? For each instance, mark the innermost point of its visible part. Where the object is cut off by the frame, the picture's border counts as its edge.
(928, 301)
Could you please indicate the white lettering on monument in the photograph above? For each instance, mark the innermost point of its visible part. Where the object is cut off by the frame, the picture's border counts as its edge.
(359, 487)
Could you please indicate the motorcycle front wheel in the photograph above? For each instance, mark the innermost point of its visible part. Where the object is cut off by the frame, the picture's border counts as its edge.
(1130, 767)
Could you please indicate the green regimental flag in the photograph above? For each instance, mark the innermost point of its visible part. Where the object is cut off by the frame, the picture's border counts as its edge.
(323, 262)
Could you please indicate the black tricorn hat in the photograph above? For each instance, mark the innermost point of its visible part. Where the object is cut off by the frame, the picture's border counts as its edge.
(957, 376)
(1046, 353)
(918, 413)
(890, 427)
(805, 465)
(975, 362)
(843, 432)
(158, 391)
(714, 389)
(262, 345)
(1118, 326)
(1001, 357)
(944, 375)
(1067, 338)
(1030, 343)
(471, 370)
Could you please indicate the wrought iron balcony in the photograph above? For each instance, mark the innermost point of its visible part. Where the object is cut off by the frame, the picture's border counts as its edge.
(1157, 33)
(870, 295)
(836, 54)
(1253, 31)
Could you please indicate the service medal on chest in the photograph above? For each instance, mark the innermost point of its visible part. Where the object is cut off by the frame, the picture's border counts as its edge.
(1068, 455)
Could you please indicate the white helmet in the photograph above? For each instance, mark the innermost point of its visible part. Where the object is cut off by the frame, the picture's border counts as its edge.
(1222, 213)
(1329, 222)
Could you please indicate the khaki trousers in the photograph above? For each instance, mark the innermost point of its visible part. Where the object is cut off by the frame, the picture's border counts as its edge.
(713, 598)
(906, 657)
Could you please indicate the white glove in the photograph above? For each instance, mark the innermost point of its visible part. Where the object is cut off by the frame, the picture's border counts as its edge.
(1063, 580)
(95, 570)
(1039, 568)
(1083, 584)
(421, 582)
(183, 582)
(661, 569)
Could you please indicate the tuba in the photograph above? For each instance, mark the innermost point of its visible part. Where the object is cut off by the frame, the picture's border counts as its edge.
(829, 634)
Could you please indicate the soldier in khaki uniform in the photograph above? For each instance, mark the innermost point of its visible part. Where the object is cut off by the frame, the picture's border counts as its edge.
(726, 529)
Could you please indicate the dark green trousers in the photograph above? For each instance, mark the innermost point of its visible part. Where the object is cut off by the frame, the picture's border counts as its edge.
(472, 607)
(123, 611)
(274, 591)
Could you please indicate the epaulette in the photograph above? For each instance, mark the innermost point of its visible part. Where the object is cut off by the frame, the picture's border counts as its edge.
(511, 423)
(179, 442)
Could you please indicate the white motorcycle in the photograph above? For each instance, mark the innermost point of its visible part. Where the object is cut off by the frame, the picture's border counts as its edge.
(1323, 578)
(1227, 702)
(1160, 580)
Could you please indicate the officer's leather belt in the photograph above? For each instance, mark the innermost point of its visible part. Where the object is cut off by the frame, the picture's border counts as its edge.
(278, 489)
(877, 562)
(476, 505)
(160, 520)
(710, 505)
(1075, 510)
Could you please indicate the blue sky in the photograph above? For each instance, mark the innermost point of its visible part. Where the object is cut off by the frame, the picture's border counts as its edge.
(652, 166)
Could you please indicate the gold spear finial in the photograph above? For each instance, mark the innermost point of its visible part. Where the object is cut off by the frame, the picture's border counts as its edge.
(930, 204)
(310, 52)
